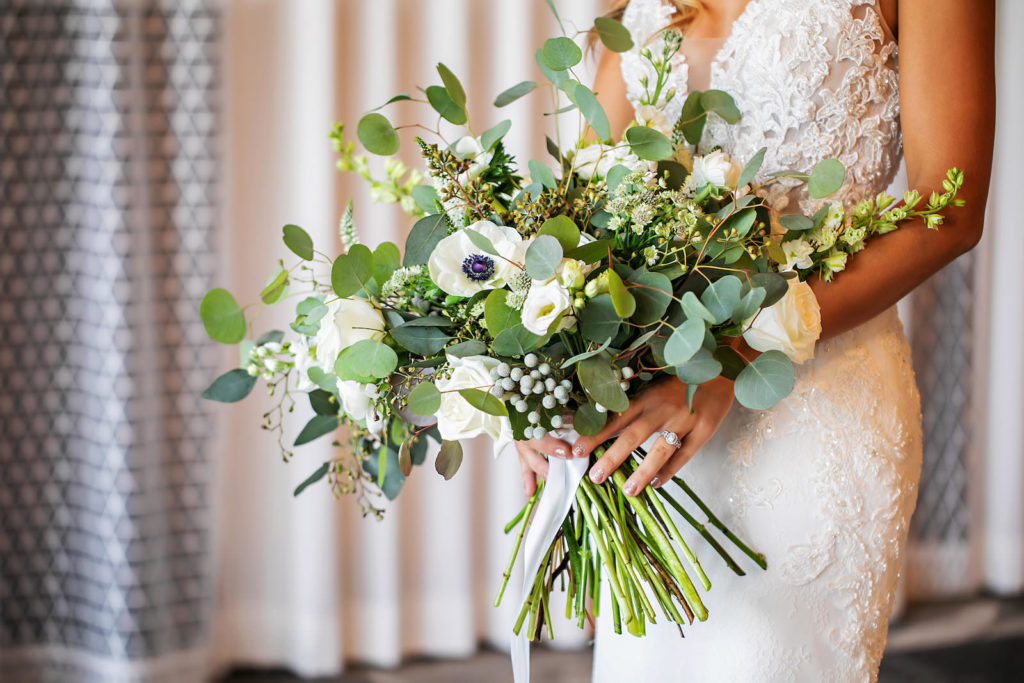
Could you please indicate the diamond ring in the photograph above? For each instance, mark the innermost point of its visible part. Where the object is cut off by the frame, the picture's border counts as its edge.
(670, 438)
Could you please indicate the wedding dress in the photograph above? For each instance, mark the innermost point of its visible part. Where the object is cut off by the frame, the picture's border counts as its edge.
(824, 483)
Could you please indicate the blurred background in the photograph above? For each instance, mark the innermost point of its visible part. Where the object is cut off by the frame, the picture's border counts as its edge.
(152, 149)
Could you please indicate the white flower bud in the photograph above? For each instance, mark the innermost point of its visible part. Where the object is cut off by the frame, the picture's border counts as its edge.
(556, 421)
(548, 402)
(627, 372)
(561, 393)
(550, 384)
(516, 374)
(539, 432)
(544, 369)
(503, 370)
(533, 417)
(507, 384)
(522, 406)
(538, 388)
(531, 360)
(600, 408)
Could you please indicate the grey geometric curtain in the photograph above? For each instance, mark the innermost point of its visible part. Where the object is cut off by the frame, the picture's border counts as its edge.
(108, 200)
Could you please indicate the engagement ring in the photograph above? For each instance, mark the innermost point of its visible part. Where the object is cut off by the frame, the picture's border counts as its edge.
(670, 438)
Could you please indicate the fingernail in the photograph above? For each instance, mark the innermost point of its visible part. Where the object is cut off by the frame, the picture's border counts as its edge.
(561, 452)
(597, 475)
(656, 482)
(629, 488)
(578, 450)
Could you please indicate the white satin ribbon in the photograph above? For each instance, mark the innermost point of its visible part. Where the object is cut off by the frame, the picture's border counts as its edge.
(555, 501)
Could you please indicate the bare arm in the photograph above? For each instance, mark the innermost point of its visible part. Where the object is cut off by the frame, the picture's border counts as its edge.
(947, 104)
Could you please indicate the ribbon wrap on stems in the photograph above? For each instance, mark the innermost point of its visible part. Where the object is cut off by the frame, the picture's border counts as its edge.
(556, 499)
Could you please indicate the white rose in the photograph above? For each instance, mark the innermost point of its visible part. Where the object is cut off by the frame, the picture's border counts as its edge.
(714, 168)
(456, 418)
(594, 161)
(354, 400)
(304, 360)
(654, 117)
(461, 268)
(798, 254)
(470, 148)
(347, 321)
(544, 303)
(791, 326)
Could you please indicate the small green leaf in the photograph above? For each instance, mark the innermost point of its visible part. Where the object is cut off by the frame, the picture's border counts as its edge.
(352, 271)
(648, 143)
(420, 340)
(765, 381)
(481, 242)
(741, 222)
(542, 174)
(515, 342)
(276, 336)
(613, 34)
(562, 229)
(452, 85)
(222, 319)
(377, 134)
(749, 304)
(498, 315)
(599, 381)
(584, 98)
(449, 459)
(721, 298)
(796, 221)
(400, 97)
(317, 475)
(752, 167)
(586, 354)
(693, 308)
(598, 319)
(484, 402)
(615, 175)
(653, 294)
(826, 178)
(317, 427)
(275, 288)
(366, 360)
(561, 53)
(588, 421)
(323, 402)
(423, 238)
(386, 260)
(591, 252)
(308, 314)
(556, 77)
(543, 257)
(692, 118)
(473, 347)
(424, 399)
(443, 104)
(721, 103)
(732, 362)
(232, 386)
(425, 197)
(491, 136)
(518, 90)
(685, 341)
(701, 368)
(622, 300)
(299, 241)
(774, 284)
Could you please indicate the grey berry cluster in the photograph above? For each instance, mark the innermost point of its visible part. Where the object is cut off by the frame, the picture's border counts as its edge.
(531, 386)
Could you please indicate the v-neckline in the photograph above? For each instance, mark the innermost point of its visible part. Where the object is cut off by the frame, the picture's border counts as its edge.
(716, 58)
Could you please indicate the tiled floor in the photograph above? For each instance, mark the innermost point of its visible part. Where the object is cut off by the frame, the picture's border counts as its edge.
(977, 641)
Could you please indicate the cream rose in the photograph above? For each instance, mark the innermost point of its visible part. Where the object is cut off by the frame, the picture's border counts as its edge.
(456, 418)
(594, 161)
(714, 168)
(544, 303)
(347, 321)
(461, 268)
(791, 326)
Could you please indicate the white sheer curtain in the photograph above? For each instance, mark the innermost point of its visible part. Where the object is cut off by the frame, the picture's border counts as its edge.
(308, 584)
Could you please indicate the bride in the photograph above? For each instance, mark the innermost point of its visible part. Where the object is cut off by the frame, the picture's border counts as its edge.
(824, 483)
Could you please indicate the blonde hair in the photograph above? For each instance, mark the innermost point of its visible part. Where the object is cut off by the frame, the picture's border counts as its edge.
(686, 12)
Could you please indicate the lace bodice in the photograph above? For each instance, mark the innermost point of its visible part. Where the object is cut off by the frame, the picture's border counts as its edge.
(813, 79)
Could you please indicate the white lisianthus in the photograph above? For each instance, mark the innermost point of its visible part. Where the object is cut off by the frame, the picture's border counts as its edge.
(714, 168)
(654, 117)
(461, 268)
(456, 418)
(594, 161)
(347, 321)
(470, 148)
(544, 303)
(798, 254)
(791, 326)
(304, 360)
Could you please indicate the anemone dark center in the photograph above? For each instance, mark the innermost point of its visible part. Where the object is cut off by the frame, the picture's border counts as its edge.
(478, 267)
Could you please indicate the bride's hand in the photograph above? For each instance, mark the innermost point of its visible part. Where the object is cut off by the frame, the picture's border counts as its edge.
(532, 460)
(662, 406)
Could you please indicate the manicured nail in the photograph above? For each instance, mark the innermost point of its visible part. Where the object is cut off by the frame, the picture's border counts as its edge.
(656, 482)
(597, 475)
(578, 450)
(561, 452)
(629, 488)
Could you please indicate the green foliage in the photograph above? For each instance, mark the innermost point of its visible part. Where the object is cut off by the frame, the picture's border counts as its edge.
(561, 53)
(827, 177)
(721, 297)
(653, 294)
(598, 319)
(423, 238)
(308, 314)
(443, 104)
(765, 381)
(386, 260)
(648, 144)
(556, 77)
(491, 136)
(366, 361)
(796, 222)
(752, 167)
(299, 241)
(377, 134)
(592, 252)
(352, 271)
(515, 342)
(518, 90)
(498, 315)
(222, 319)
(384, 468)
(232, 386)
(584, 98)
(542, 257)
(542, 174)
(425, 399)
(588, 421)
(599, 381)
(702, 367)
(449, 459)
(318, 426)
(317, 475)
(484, 401)
(615, 175)
(684, 341)
(276, 287)
(622, 300)
(613, 34)
(419, 339)
(562, 229)
(426, 198)
(323, 402)
(452, 85)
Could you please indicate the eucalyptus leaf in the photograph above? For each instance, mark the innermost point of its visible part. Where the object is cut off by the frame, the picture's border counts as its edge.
(275, 288)
(222, 319)
(827, 177)
(473, 347)
(561, 53)
(542, 174)
(750, 303)
(386, 260)
(443, 104)
(752, 167)
(622, 300)
(588, 421)
(405, 457)
(484, 402)
(556, 77)
(481, 242)
(425, 197)
(652, 293)
(449, 459)
(613, 34)
(692, 118)
(518, 90)
(366, 360)
(741, 222)
(562, 229)
(599, 381)
(515, 342)
(452, 85)
(586, 354)
(693, 308)
(275, 336)
(400, 97)
(423, 238)
(543, 257)
(318, 474)
(684, 341)
(327, 381)
(615, 175)
(598, 319)
(298, 240)
(732, 362)
(323, 402)
(318, 426)
(796, 221)
(498, 315)
(703, 367)
(377, 134)
(775, 287)
(584, 98)
(765, 381)
(424, 399)
(385, 469)
(592, 252)
(721, 103)
(308, 314)
(648, 144)
(491, 136)
(420, 340)
(232, 386)
(721, 297)
(351, 271)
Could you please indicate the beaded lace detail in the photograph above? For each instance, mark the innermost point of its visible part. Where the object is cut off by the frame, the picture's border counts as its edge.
(825, 482)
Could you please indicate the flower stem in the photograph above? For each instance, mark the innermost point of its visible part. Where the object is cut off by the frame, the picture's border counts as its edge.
(527, 510)
(606, 558)
(758, 558)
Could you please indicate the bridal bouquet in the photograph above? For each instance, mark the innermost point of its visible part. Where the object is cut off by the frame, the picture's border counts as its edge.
(536, 296)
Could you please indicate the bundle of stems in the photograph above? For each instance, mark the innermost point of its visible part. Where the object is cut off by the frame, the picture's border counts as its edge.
(630, 542)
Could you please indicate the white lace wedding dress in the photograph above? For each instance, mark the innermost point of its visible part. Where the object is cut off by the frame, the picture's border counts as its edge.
(824, 483)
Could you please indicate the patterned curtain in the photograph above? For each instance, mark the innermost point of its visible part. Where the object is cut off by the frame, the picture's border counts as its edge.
(108, 138)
